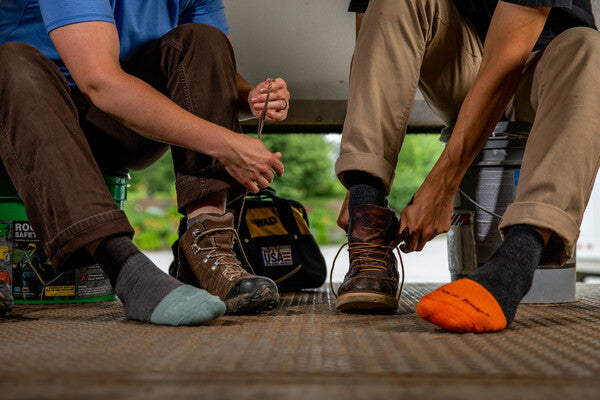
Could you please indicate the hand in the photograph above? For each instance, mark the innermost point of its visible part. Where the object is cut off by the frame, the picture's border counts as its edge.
(249, 162)
(279, 100)
(429, 214)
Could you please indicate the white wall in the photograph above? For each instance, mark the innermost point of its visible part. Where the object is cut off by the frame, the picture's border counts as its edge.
(309, 42)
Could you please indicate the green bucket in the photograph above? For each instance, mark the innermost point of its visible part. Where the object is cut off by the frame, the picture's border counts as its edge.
(27, 269)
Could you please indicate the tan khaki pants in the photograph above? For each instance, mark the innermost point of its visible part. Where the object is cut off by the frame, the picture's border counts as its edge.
(426, 43)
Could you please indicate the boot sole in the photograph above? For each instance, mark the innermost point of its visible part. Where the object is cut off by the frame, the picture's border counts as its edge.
(263, 299)
(365, 301)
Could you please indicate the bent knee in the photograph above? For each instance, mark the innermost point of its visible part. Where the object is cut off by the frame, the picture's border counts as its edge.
(16, 54)
(195, 33)
(22, 65)
(577, 41)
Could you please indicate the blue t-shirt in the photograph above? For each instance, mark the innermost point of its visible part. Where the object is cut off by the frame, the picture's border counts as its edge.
(138, 22)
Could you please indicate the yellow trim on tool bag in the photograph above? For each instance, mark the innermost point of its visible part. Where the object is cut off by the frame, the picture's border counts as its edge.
(264, 221)
(299, 217)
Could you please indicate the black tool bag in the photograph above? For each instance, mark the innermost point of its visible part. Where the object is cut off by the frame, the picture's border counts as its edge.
(277, 241)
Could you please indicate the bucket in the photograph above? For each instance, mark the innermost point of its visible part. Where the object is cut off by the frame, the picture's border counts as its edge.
(491, 182)
(27, 269)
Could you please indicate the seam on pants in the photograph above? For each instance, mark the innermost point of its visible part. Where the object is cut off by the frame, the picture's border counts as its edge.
(181, 75)
(33, 185)
(185, 88)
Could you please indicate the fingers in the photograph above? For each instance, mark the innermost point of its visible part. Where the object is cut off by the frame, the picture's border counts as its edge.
(261, 182)
(278, 100)
(268, 175)
(279, 91)
(277, 165)
(263, 174)
(251, 186)
(416, 241)
(278, 84)
(415, 236)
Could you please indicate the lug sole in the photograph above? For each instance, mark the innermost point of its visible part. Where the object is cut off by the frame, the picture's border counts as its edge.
(365, 301)
(263, 299)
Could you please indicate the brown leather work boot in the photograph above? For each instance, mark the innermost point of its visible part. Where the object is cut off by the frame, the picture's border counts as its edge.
(207, 260)
(372, 281)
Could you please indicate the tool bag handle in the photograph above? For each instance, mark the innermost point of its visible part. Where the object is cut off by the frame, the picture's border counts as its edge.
(284, 209)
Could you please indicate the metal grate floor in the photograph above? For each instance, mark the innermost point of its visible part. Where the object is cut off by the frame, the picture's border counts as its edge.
(303, 349)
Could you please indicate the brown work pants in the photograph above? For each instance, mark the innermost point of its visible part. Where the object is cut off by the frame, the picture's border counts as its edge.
(426, 43)
(54, 144)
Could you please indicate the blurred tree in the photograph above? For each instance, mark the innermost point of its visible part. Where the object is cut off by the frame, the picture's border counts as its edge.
(309, 178)
(308, 161)
(159, 178)
(419, 154)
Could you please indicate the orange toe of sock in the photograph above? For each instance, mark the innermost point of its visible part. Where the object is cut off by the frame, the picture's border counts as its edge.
(462, 306)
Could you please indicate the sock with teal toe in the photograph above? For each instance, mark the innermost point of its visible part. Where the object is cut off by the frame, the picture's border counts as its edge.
(147, 293)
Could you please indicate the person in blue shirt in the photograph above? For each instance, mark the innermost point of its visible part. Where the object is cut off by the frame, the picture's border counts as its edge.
(111, 85)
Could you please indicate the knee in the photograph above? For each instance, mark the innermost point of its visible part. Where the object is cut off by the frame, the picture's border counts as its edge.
(15, 58)
(23, 68)
(200, 35)
(578, 45)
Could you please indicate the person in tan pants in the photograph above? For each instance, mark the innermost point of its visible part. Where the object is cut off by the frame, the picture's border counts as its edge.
(474, 62)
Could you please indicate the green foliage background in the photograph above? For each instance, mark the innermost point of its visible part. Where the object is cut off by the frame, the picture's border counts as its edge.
(309, 178)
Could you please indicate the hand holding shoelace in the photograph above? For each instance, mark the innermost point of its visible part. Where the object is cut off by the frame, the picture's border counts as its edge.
(427, 215)
(278, 106)
(250, 162)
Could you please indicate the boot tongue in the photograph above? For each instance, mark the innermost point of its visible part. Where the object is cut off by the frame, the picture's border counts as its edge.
(222, 238)
(211, 221)
(373, 224)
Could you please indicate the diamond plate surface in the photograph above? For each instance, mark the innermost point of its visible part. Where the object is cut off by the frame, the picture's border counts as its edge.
(302, 349)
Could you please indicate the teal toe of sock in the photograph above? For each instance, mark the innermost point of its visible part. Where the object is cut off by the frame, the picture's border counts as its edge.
(187, 305)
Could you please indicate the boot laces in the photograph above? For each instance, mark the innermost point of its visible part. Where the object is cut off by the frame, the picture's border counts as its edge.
(362, 262)
(232, 267)
(358, 249)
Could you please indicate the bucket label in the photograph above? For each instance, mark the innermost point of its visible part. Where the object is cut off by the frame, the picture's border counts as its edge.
(460, 219)
(24, 232)
(53, 291)
(275, 256)
(25, 266)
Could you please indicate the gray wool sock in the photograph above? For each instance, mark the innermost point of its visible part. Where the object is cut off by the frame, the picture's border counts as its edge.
(508, 274)
(366, 194)
(364, 188)
(147, 293)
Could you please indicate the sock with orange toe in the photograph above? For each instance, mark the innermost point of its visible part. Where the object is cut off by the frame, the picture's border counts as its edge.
(487, 300)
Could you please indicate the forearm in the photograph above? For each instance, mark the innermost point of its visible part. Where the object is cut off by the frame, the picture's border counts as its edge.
(481, 110)
(510, 39)
(146, 111)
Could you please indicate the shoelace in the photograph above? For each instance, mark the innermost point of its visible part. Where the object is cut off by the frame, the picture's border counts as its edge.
(356, 249)
(261, 125)
(363, 263)
(228, 258)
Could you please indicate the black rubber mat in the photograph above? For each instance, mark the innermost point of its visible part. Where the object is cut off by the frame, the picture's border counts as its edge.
(303, 349)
